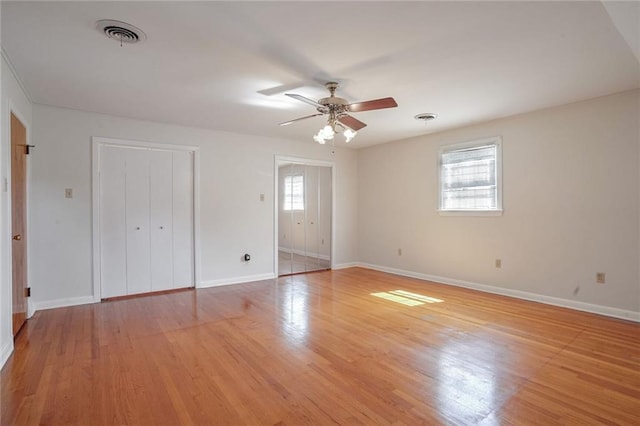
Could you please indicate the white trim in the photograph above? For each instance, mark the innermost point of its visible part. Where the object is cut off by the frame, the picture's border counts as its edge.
(237, 280)
(470, 212)
(305, 253)
(131, 143)
(95, 219)
(7, 350)
(548, 300)
(346, 265)
(196, 215)
(62, 303)
(282, 159)
(96, 143)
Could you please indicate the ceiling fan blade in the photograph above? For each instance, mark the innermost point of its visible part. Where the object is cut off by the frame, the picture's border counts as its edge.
(351, 122)
(281, 88)
(369, 105)
(303, 99)
(286, 123)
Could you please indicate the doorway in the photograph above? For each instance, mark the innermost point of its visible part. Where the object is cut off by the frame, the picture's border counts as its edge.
(304, 216)
(19, 150)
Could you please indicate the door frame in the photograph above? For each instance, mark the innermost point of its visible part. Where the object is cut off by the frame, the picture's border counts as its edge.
(280, 160)
(96, 143)
(13, 109)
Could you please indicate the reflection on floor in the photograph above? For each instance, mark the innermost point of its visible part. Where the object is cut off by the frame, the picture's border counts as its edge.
(290, 263)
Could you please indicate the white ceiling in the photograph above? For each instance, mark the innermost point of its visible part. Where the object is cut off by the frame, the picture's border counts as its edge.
(204, 63)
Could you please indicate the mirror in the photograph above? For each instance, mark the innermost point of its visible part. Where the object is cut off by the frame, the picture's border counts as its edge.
(304, 217)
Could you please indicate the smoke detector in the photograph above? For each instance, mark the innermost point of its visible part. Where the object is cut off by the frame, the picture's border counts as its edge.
(121, 31)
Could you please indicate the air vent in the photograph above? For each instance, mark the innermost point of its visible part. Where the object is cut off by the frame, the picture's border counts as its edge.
(121, 31)
(426, 116)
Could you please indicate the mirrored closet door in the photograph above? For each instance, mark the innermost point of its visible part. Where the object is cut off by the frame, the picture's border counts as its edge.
(304, 218)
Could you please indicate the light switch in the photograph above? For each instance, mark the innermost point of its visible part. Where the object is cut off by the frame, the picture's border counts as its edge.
(261, 197)
(68, 193)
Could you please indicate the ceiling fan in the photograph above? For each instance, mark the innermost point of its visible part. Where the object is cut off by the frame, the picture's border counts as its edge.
(338, 109)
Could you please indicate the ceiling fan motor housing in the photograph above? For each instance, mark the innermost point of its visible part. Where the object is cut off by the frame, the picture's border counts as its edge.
(333, 103)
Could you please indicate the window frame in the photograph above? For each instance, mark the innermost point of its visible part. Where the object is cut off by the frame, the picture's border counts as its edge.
(476, 143)
(292, 175)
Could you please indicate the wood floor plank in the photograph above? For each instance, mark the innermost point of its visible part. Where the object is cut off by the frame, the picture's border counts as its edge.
(323, 349)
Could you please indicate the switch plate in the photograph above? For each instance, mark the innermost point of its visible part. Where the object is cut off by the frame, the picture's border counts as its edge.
(600, 277)
(68, 193)
(261, 197)
(498, 263)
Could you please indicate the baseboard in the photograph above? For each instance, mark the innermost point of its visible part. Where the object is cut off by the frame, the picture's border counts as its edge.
(236, 280)
(305, 253)
(61, 303)
(346, 265)
(549, 300)
(7, 349)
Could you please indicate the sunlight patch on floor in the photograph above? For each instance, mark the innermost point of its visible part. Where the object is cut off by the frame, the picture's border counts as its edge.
(417, 296)
(406, 297)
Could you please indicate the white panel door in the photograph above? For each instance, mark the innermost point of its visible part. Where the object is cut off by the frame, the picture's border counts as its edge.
(137, 216)
(161, 219)
(183, 249)
(113, 240)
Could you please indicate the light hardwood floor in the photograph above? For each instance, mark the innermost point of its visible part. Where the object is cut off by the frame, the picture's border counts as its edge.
(321, 349)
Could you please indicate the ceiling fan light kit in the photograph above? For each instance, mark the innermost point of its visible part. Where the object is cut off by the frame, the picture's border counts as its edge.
(337, 109)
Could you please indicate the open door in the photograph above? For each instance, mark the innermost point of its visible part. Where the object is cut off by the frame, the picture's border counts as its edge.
(18, 219)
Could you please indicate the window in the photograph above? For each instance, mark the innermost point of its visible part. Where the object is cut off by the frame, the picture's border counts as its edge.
(294, 192)
(470, 180)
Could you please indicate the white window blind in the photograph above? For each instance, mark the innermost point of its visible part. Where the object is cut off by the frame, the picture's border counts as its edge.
(469, 177)
(294, 192)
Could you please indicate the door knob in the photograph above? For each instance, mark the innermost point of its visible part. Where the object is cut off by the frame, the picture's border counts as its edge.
(17, 237)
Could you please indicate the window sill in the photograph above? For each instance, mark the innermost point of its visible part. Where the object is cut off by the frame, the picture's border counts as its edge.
(470, 212)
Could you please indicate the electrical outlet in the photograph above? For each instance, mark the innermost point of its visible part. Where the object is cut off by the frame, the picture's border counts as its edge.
(498, 263)
(600, 277)
(399, 252)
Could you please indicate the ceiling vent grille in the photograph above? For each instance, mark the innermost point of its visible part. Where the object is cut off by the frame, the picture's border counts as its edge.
(121, 31)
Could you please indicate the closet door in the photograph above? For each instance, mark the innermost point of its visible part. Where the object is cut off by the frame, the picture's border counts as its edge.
(113, 230)
(146, 220)
(311, 208)
(161, 219)
(137, 220)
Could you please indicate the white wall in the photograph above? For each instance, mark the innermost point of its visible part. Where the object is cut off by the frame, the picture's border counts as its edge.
(235, 170)
(571, 207)
(13, 99)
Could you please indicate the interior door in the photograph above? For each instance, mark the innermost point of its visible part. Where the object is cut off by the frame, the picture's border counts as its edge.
(138, 222)
(18, 220)
(146, 198)
(113, 230)
(161, 219)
